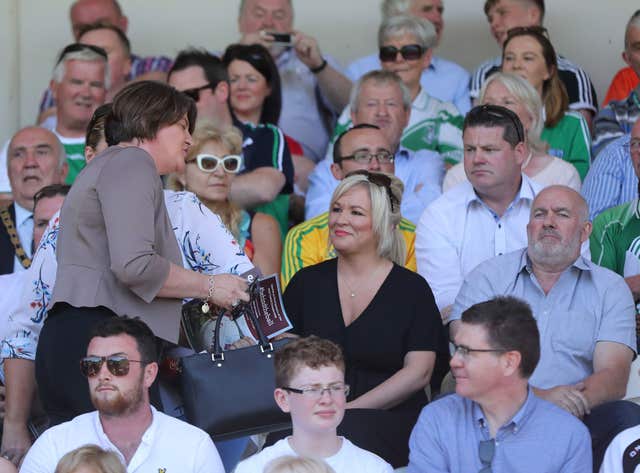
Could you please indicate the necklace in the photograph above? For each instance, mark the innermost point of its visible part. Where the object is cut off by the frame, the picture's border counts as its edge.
(353, 293)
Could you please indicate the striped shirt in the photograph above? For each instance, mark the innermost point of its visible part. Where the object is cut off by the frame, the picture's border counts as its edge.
(582, 94)
(614, 120)
(434, 125)
(308, 243)
(611, 180)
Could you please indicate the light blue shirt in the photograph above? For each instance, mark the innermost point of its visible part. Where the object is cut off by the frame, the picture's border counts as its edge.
(611, 179)
(446, 437)
(444, 80)
(586, 305)
(300, 117)
(421, 172)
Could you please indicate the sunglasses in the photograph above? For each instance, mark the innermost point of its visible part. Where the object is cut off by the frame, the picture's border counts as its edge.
(231, 163)
(195, 92)
(501, 113)
(118, 365)
(525, 30)
(486, 452)
(410, 52)
(77, 47)
(380, 180)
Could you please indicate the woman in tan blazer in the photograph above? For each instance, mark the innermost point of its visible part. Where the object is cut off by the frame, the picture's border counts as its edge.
(117, 253)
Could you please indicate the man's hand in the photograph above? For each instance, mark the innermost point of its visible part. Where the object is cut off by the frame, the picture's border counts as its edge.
(16, 440)
(569, 398)
(307, 50)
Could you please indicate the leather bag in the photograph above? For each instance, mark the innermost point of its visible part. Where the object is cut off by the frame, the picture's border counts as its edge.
(230, 394)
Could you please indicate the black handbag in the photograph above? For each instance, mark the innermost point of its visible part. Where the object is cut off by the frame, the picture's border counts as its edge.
(230, 394)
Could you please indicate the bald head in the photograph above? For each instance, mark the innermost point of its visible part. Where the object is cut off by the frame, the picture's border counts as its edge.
(88, 12)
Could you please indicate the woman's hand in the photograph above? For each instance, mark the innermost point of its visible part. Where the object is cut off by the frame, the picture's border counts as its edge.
(229, 290)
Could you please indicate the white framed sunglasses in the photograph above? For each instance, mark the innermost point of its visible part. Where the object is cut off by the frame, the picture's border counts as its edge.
(231, 163)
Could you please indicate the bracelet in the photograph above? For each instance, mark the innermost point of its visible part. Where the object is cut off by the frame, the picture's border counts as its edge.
(320, 68)
(205, 306)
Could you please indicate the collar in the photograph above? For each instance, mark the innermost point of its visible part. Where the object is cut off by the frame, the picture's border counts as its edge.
(516, 421)
(526, 192)
(22, 214)
(434, 65)
(147, 437)
(422, 100)
(581, 263)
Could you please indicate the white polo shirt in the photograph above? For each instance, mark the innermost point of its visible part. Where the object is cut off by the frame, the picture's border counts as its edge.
(168, 445)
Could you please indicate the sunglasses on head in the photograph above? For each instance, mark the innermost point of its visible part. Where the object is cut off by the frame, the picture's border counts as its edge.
(380, 180)
(410, 52)
(531, 30)
(498, 111)
(195, 92)
(77, 47)
(231, 163)
(118, 365)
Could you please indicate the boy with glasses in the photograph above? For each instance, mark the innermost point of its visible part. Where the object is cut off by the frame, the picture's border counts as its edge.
(121, 365)
(310, 384)
(494, 422)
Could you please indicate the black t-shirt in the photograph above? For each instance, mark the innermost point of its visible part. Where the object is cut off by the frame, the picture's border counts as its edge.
(402, 317)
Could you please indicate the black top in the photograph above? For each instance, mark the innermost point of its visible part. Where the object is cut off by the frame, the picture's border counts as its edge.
(401, 317)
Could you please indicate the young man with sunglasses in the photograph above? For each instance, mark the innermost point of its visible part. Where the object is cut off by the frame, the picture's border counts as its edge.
(121, 365)
(585, 314)
(503, 15)
(495, 422)
(266, 179)
(310, 386)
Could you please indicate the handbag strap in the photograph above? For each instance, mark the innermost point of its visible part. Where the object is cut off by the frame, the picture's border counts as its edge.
(245, 309)
(15, 241)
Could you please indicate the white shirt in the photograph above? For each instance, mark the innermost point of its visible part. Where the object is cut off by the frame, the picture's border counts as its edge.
(622, 454)
(349, 459)
(168, 445)
(24, 228)
(458, 231)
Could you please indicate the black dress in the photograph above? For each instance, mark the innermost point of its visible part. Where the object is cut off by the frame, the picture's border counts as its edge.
(401, 317)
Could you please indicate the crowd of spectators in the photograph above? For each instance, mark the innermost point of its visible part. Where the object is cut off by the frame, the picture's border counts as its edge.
(458, 253)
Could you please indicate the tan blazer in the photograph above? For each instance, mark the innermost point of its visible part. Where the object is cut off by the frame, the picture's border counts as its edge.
(116, 241)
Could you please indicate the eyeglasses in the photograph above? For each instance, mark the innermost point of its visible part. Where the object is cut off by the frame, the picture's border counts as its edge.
(364, 157)
(77, 47)
(486, 451)
(195, 92)
(231, 163)
(409, 52)
(316, 391)
(118, 365)
(465, 351)
(501, 113)
(380, 180)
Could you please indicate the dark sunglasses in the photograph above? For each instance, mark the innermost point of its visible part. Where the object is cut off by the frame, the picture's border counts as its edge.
(486, 451)
(380, 180)
(502, 113)
(118, 365)
(195, 92)
(231, 163)
(77, 47)
(410, 52)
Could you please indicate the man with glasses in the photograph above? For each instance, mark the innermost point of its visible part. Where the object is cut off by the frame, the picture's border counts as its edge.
(494, 422)
(482, 217)
(266, 179)
(309, 377)
(381, 98)
(120, 366)
(363, 147)
(503, 15)
(585, 314)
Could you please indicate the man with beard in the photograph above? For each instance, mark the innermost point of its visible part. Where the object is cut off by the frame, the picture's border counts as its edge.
(585, 315)
(121, 365)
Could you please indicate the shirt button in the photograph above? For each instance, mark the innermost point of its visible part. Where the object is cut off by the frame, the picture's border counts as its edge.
(499, 225)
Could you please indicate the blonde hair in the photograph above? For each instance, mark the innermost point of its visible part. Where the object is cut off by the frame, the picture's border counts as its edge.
(529, 97)
(291, 464)
(231, 139)
(384, 219)
(102, 461)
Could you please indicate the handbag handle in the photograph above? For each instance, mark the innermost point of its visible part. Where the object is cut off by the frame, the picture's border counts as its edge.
(244, 308)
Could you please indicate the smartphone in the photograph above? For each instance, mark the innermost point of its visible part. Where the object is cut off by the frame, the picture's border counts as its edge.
(283, 39)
